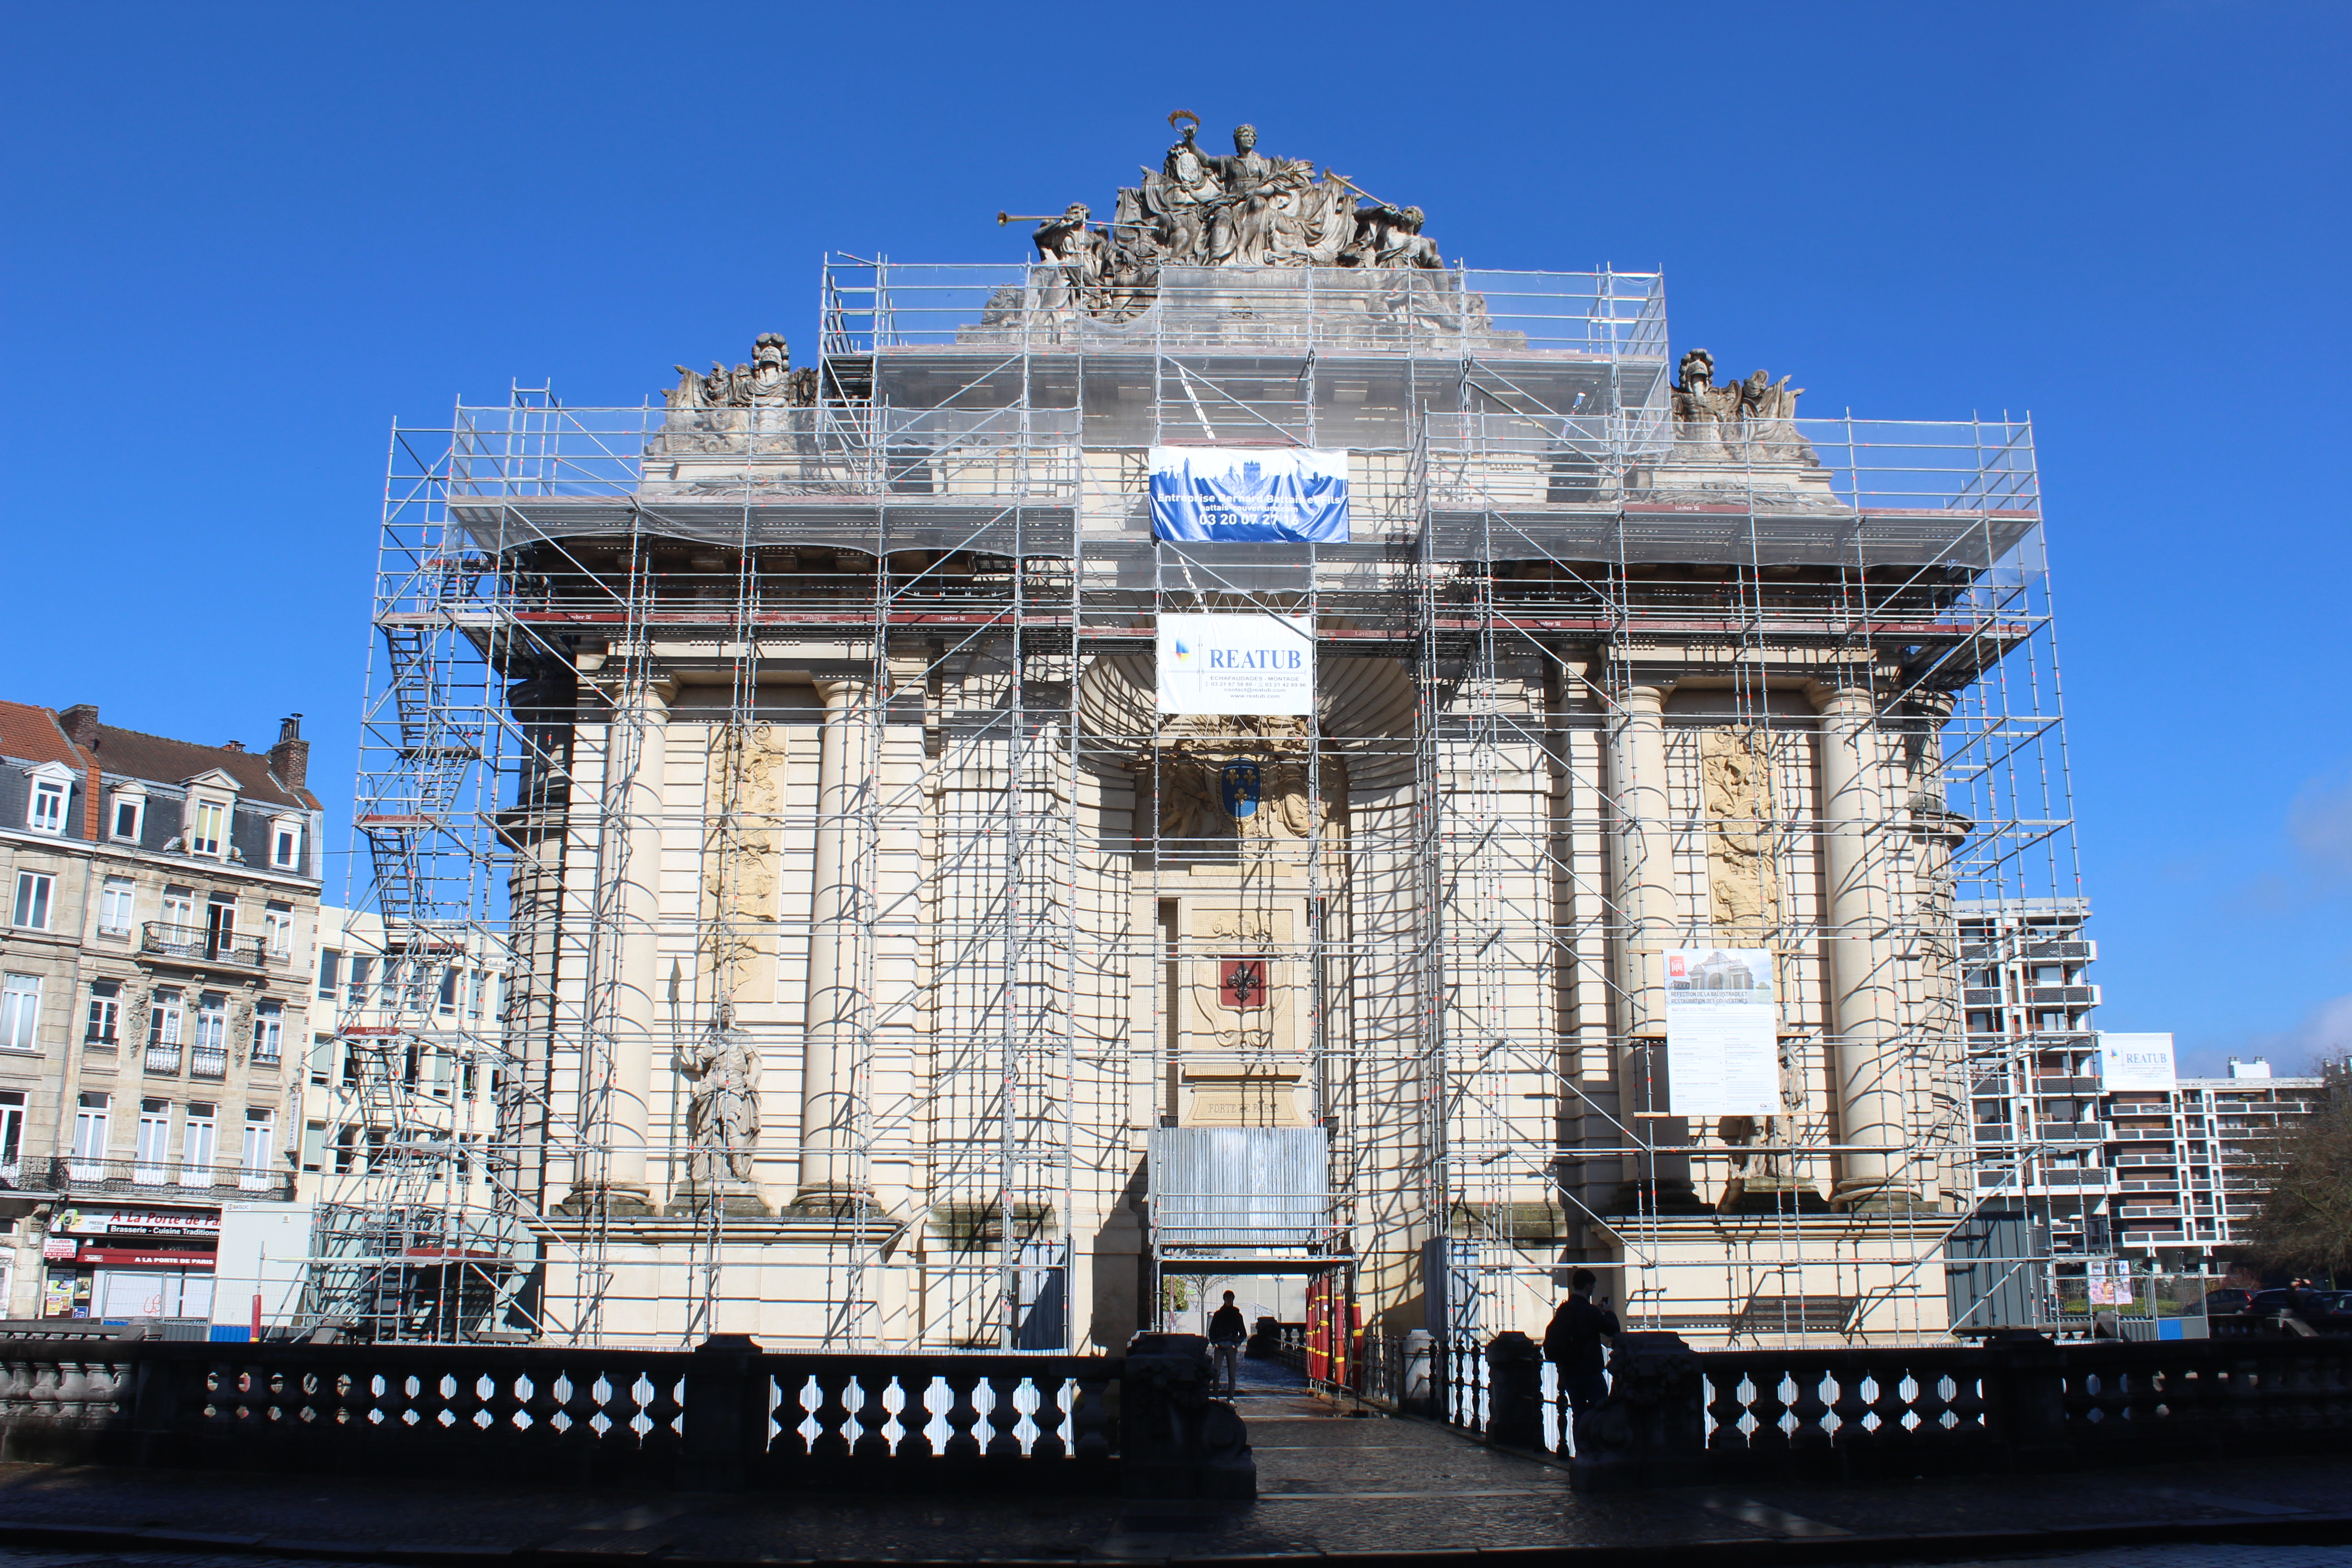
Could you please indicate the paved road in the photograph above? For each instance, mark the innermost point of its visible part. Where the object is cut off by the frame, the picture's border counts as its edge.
(1330, 1481)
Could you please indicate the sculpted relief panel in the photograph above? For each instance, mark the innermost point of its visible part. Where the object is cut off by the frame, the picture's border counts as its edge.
(1735, 772)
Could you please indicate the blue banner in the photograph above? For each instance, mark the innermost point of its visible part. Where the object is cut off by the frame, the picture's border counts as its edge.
(1249, 494)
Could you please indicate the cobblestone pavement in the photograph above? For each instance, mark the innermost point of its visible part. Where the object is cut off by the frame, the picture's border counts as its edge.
(1330, 1481)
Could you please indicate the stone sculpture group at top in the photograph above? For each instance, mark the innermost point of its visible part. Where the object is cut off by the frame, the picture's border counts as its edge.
(1201, 209)
(768, 381)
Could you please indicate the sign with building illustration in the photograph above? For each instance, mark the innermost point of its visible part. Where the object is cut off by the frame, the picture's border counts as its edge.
(1228, 663)
(1264, 495)
(1722, 1032)
(2136, 1061)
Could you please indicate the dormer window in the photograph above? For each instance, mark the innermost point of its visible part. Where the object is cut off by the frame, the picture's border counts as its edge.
(126, 815)
(45, 806)
(286, 843)
(209, 815)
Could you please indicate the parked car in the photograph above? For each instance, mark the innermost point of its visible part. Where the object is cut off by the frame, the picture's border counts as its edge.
(2227, 1303)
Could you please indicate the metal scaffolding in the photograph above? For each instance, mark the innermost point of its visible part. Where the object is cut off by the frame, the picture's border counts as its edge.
(584, 618)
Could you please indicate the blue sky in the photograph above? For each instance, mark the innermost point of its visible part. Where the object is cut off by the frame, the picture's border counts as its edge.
(240, 240)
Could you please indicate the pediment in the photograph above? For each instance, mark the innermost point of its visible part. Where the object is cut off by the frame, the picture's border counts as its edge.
(52, 770)
(213, 778)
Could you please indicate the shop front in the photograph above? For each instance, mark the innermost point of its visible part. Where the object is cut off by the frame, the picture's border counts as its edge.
(119, 1264)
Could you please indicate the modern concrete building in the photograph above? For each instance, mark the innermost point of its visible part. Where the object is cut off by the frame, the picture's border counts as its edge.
(153, 977)
(2190, 1163)
(962, 867)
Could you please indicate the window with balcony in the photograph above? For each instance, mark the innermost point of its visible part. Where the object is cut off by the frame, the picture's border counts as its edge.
(209, 829)
(165, 1021)
(259, 1126)
(154, 1142)
(209, 1051)
(46, 812)
(179, 922)
(90, 1136)
(268, 1033)
(12, 1134)
(105, 1013)
(20, 1012)
(277, 930)
(198, 1147)
(33, 891)
(116, 898)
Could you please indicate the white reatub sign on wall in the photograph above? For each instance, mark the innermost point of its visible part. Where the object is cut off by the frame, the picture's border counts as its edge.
(1253, 663)
(2136, 1061)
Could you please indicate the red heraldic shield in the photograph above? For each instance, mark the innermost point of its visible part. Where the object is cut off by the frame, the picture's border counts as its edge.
(1242, 983)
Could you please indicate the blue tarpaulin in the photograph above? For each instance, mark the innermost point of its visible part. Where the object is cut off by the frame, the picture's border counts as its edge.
(1249, 494)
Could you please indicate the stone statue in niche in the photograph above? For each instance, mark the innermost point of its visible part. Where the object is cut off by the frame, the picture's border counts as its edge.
(1736, 796)
(722, 1120)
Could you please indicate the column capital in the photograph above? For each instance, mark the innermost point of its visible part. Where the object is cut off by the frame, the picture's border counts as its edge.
(1839, 700)
(839, 692)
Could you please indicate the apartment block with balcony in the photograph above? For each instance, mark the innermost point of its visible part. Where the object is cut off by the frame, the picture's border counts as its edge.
(2190, 1161)
(2039, 1136)
(154, 981)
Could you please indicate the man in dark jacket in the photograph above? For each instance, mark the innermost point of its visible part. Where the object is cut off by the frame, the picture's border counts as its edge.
(1572, 1343)
(1227, 1334)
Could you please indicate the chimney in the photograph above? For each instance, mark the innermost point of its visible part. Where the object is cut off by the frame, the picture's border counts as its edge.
(232, 745)
(290, 759)
(80, 725)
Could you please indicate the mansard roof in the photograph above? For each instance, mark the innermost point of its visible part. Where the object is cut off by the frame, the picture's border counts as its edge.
(159, 759)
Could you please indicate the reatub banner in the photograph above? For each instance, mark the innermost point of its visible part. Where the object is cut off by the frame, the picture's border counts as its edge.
(1225, 662)
(1249, 494)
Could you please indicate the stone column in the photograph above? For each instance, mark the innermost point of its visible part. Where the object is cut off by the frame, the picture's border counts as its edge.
(836, 955)
(1864, 1053)
(632, 1013)
(1642, 890)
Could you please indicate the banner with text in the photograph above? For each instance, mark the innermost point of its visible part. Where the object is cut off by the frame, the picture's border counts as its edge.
(1269, 495)
(1723, 1052)
(2136, 1061)
(1236, 664)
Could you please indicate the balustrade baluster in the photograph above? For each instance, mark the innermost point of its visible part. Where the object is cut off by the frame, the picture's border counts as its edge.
(1049, 1443)
(1810, 1411)
(1769, 1410)
(1090, 1419)
(963, 1416)
(832, 1440)
(1727, 1408)
(915, 1416)
(1004, 1417)
(873, 1441)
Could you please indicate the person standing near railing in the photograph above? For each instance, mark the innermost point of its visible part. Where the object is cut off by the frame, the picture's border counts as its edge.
(1573, 1343)
(1227, 1334)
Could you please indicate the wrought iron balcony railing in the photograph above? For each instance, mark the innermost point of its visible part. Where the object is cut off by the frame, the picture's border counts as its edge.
(198, 944)
(156, 1178)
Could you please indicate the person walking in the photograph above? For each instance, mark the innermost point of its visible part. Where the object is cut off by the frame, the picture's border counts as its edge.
(1227, 1334)
(1573, 1341)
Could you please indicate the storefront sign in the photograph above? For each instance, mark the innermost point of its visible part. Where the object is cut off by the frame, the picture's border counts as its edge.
(137, 1257)
(1228, 663)
(1723, 1055)
(1249, 494)
(138, 1222)
(59, 1249)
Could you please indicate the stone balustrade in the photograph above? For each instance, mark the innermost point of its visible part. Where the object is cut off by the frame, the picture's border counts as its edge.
(724, 1416)
(1675, 1416)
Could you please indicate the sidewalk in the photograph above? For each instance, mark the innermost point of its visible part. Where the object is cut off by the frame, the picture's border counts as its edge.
(1329, 1482)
